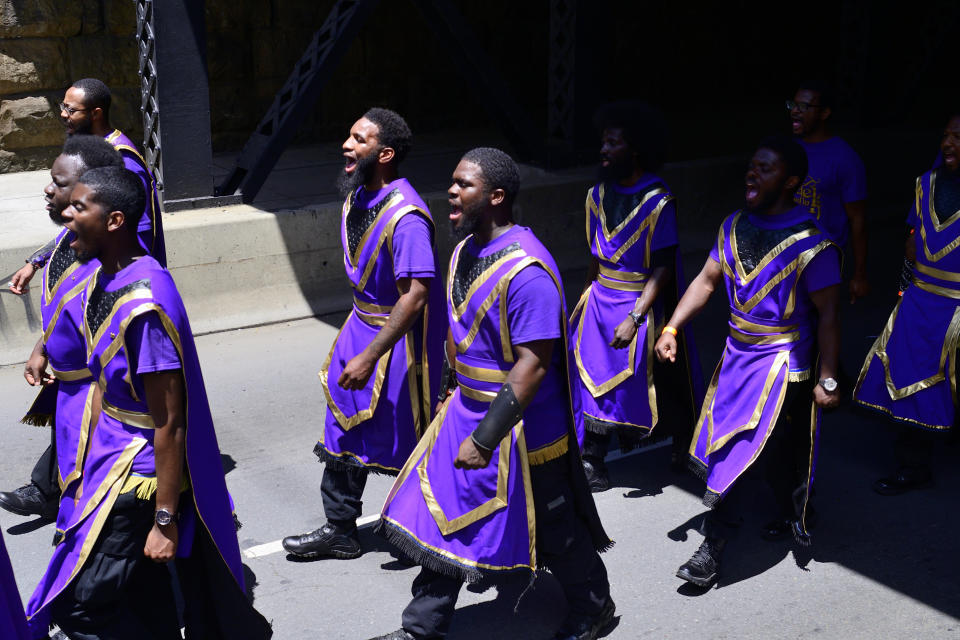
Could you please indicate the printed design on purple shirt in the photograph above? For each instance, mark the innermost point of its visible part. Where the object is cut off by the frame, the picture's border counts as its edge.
(595, 207)
(808, 196)
(63, 262)
(771, 341)
(359, 220)
(910, 371)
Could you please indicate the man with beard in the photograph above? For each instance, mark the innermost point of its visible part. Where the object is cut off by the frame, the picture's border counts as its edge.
(384, 368)
(459, 517)
(151, 486)
(632, 237)
(835, 189)
(761, 414)
(65, 394)
(86, 110)
(910, 372)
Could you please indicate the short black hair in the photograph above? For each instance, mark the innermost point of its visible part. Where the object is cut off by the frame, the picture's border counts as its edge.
(499, 170)
(92, 151)
(95, 94)
(644, 129)
(790, 152)
(823, 87)
(392, 131)
(117, 189)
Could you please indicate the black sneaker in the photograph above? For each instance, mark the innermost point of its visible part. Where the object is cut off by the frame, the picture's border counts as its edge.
(399, 634)
(327, 541)
(702, 569)
(597, 477)
(29, 501)
(580, 628)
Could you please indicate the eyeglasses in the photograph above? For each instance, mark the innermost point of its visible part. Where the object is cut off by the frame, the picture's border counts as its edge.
(801, 106)
(70, 110)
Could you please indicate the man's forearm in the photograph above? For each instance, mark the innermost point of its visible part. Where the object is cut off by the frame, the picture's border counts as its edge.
(169, 447)
(658, 279)
(404, 313)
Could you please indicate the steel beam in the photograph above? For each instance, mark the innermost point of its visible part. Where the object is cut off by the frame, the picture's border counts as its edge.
(296, 98)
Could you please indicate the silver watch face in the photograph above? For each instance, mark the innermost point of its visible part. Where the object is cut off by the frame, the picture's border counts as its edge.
(163, 517)
(829, 384)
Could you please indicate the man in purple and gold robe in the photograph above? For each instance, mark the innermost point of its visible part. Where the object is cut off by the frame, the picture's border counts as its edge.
(384, 368)
(151, 487)
(633, 281)
(85, 110)
(910, 372)
(452, 511)
(760, 418)
(65, 396)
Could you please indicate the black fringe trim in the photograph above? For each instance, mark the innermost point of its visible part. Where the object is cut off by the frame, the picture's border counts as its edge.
(711, 499)
(606, 546)
(697, 468)
(346, 463)
(424, 557)
(37, 420)
(598, 426)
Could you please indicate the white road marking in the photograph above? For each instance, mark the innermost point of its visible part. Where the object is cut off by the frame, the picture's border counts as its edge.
(262, 550)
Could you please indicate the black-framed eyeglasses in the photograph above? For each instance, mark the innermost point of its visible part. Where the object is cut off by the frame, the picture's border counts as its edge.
(801, 106)
(70, 110)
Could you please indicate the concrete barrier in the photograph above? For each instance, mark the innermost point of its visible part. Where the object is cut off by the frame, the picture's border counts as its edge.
(239, 266)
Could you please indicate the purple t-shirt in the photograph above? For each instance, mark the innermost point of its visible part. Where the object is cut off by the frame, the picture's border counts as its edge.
(149, 349)
(835, 176)
(413, 248)
(533, 306)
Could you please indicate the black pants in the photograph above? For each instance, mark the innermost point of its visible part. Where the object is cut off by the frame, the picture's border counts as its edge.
(119, 593)
(782, 464)
(563, 545)
(45, 472)
(342, 493)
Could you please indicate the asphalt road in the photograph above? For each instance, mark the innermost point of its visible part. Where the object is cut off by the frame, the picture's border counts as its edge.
(879, 567)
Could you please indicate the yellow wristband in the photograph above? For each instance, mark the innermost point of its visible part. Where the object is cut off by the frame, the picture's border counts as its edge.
(668, 329)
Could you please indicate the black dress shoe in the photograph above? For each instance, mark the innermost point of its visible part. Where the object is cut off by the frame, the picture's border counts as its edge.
(587, 628)
(906, 479)
(703, 568)
(399, 634)
(327, 541)
(29, 501)
(597, 477)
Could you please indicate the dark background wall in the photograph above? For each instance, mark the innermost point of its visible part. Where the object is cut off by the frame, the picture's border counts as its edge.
(720, 71)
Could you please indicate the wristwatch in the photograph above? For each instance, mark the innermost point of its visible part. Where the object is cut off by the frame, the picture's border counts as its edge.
(829, 384)
(637, 318)
(163, 517)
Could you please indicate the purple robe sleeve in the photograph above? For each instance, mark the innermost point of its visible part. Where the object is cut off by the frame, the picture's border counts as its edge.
(665, 232)
(149, 349)
(823, 271)
(853, 178)
(413, 248)
(533, 307)
(130, 162)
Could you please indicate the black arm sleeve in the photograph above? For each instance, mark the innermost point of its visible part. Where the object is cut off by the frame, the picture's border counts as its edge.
(41, 255)
(448, 379)
(665, 257)
(504, 412)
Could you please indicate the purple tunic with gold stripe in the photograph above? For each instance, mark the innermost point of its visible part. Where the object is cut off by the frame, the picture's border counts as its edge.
(150, 227)
(910, 372)
(625, 226)
(386, 235)
(466, 523)
(770, 266)
(120, 454)
(68, 402)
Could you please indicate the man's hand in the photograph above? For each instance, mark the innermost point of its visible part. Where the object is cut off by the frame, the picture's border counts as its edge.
(471, 456)
(357, 372)
(36, 370)
(624, 333)
(161, 543)
(859, 288)
(666, 348)
(824, 399)
(20, 280)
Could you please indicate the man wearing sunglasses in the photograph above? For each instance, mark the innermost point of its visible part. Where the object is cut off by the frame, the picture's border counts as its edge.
(835, 189)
